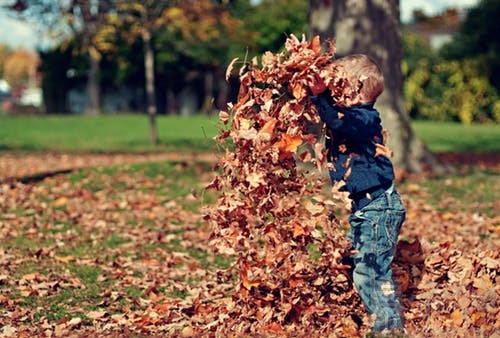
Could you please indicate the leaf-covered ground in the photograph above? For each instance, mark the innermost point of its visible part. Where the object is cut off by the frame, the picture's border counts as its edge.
(123, 251)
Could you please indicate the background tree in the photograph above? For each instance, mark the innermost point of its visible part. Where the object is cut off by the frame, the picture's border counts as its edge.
(143, 19)
(373, 27)
(174, 34)
(81, 20)
(20, 68)
(202, 38)
(478, 39)
(87, 18)
(272, 22)
(4, 53)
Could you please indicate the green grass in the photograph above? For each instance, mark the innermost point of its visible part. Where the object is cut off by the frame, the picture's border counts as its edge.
(472, 190)
(130, 133)
(108, 133)
(455, 137)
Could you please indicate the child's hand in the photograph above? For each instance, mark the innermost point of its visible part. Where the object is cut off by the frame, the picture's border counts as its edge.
(316, 84)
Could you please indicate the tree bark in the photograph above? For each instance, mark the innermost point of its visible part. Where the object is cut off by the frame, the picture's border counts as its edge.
(208, 81)
(90, 25)
(93, 86)
(372, 27)
(150, 86)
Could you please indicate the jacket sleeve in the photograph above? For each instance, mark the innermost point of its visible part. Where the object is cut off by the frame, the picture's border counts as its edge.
(329, 115)
(350, 122)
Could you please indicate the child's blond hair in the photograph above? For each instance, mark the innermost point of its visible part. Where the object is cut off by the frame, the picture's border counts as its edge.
(363, 71)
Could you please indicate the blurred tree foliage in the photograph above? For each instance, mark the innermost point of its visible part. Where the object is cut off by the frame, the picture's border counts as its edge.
(478, 39)
(272, 21)
(4, 53)
(20, 67)
(443, 89)
(460, 82)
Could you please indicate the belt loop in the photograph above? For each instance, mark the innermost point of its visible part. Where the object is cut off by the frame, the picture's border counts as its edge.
(388, 196)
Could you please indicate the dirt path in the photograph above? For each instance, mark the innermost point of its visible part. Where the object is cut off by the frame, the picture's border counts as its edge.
(29, 166)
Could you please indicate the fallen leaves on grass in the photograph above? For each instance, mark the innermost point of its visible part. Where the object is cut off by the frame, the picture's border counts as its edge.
(143, 264)
(124, 250)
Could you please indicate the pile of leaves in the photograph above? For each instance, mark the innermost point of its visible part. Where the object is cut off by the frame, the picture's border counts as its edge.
(273, 213)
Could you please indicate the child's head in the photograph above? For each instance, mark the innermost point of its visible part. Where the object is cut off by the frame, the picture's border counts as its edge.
(362, 70)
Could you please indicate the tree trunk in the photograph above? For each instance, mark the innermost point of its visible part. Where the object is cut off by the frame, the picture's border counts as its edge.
(150, 86)
(208, 82)
(372, 27)
(93, 87)
(171, 101)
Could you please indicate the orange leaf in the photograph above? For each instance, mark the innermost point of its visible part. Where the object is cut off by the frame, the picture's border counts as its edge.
(268, 127)
(298, 90)
(298, 230)
(447, 216)
(289, 143)
(162, 307)
(476, 317)
(315, 44)
(60, 202)
(457, 317)
(295, 282)
(273, 327)
(65, 259)
(247, 284)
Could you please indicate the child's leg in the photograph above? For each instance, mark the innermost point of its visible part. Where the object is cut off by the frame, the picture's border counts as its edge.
(374, 233)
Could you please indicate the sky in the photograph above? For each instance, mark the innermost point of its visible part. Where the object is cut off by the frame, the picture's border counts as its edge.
(18, 34)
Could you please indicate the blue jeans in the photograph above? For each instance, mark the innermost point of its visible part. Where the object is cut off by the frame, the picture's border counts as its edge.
(374, 235)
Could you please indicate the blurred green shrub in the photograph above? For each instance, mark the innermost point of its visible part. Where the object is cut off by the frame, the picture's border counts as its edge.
(445, 89)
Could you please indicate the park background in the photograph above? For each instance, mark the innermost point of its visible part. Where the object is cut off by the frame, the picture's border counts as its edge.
(102, 166)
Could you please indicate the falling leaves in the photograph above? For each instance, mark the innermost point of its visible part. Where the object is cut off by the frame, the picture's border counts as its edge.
(288, 145)
(275, 218)
(272, 214)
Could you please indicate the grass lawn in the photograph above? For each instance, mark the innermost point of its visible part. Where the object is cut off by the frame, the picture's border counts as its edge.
(109, 133)
(455, 137)
(129, 133)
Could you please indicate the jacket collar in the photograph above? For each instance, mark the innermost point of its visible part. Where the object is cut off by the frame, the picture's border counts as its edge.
(368, 105)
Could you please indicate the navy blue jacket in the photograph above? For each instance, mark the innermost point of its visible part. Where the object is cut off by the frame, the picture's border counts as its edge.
(352, 133)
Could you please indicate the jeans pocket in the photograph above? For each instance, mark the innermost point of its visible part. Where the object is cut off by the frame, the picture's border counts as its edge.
(388, 229)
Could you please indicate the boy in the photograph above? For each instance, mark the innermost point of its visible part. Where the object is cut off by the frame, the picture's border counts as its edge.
(354, 140)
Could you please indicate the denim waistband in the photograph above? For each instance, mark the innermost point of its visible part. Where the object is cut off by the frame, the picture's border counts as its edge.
(364, 200)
